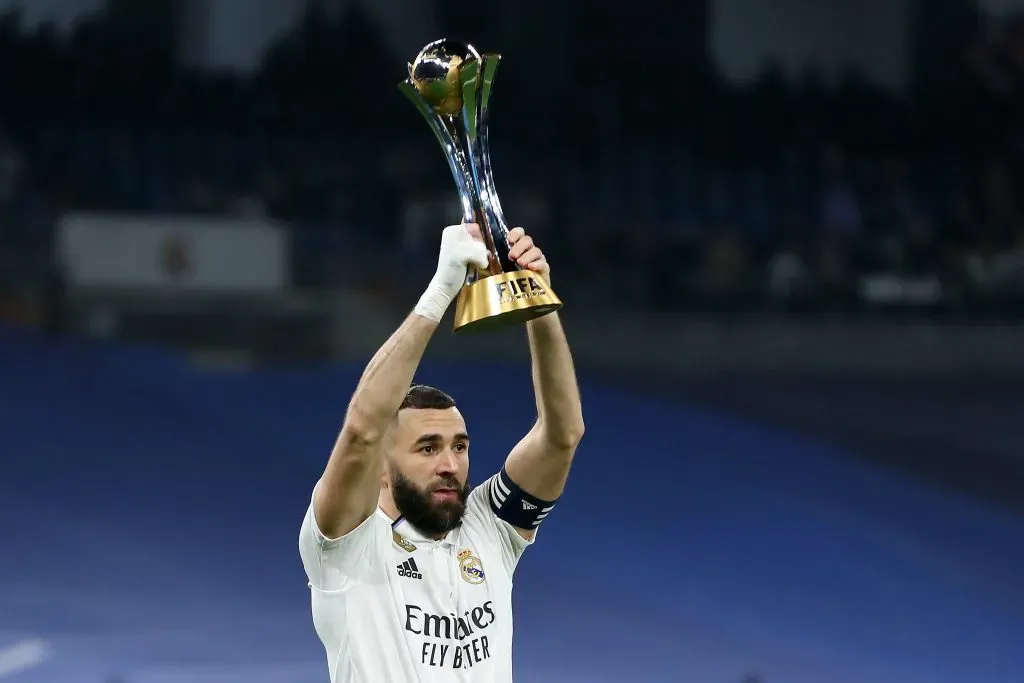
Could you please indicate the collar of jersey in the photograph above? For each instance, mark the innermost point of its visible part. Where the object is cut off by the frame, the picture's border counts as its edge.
(413, 535)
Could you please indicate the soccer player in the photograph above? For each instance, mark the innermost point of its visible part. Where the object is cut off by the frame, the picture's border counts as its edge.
(410, 570)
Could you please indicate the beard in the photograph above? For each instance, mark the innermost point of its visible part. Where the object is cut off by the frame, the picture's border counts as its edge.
(418, 507)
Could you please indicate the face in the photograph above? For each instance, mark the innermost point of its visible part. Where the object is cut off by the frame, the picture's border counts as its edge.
(428, 468)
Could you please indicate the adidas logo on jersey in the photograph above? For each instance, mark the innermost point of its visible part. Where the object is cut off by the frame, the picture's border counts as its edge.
(529, 506)
(409, 569)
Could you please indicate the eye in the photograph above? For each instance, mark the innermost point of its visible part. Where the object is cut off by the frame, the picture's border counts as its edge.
(460, 447)
(427, 450)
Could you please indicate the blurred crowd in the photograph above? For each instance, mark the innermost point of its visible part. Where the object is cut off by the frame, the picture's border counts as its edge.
(796, 195)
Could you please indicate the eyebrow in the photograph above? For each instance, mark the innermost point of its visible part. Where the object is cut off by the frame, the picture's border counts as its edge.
(433, 438)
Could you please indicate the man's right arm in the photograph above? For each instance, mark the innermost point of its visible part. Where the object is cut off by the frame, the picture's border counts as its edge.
(347, 492)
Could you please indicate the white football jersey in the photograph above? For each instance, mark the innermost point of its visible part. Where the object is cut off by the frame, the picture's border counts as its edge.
(393, 606)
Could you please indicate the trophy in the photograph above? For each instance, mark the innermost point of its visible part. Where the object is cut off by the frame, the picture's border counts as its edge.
(450, 84)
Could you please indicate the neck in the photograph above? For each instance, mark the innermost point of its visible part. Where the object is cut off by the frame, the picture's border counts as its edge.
(386, 503)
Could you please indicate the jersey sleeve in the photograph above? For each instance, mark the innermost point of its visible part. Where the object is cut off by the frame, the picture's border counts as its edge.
(480, 511)
(332, 564)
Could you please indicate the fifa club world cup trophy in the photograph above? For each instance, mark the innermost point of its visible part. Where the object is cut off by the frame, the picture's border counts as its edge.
(450, 84)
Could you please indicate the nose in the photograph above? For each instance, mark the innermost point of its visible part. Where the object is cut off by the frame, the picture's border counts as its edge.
(447, 463)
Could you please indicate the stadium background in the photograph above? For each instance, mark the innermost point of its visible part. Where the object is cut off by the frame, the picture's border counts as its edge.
(790, 241)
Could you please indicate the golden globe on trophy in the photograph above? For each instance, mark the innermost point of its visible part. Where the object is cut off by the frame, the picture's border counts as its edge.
(450, 83)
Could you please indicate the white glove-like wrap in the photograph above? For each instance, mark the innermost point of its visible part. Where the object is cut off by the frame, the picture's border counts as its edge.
(458, 250)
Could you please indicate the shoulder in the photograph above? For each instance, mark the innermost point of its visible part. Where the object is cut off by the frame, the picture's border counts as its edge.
(481, 518)
(479, 507)
(354, 554)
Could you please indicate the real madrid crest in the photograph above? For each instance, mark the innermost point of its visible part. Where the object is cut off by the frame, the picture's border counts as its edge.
(470, 567)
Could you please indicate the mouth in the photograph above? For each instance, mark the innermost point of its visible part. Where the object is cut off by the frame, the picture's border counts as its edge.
(446, 494)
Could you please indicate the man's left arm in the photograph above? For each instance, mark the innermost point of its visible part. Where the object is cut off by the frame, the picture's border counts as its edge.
(539, 464)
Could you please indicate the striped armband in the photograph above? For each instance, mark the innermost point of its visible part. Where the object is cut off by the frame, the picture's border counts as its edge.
(515, 506)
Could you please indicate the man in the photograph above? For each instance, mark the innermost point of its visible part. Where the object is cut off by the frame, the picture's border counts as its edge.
(410, 572)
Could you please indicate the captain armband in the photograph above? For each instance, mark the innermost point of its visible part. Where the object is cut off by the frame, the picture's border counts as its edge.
(515, 506)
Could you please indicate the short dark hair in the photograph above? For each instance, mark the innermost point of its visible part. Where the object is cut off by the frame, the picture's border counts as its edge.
(423, 397)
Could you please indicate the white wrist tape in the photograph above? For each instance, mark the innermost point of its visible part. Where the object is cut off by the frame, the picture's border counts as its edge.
(435, 299)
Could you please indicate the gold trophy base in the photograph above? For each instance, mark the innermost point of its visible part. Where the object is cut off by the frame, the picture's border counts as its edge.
(502, 300)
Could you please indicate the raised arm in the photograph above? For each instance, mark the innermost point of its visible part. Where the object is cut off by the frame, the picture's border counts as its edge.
(348, 490)
(539, 463)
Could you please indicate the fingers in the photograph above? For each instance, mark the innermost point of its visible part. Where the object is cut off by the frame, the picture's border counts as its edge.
(521, 244)
(478, 255)
(522, 250)
(537, 266)
(531, 255)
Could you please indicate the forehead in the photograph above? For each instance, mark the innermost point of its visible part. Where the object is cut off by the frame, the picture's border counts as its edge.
(414, 422)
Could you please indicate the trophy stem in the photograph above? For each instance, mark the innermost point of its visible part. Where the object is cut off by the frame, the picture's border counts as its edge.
(491, 62)
(474, 131)
(445, 131)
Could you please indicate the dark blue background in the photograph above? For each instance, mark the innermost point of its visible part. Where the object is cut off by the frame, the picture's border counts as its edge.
(150, 511)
